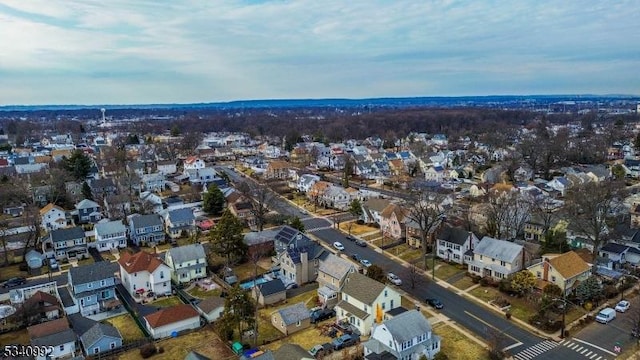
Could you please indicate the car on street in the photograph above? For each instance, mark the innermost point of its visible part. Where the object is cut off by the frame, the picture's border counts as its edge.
(435, 303)
(14, 282)
(321, 315)
(394, 279)
(365, 262)
(356, 257)
(338, 245)
(622, 306)
(345, 340)
(606, 315)
(361, 243)
(351, 238)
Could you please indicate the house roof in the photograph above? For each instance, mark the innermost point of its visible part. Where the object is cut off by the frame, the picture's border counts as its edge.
(43, 297)
(288, 351)
(58, 338)
(271, 287)
(91, 331)
(393, 209)
(140, 261)
(405, 326)
(142, 221)
(110, 227)
(498, 249)
(171, 315)
(48, 328)
(335, 266)
(181, 215)
(48, 208)
(194, 355)
(455, 235)
(67, 234)
(376, 204)
(211, 303)
(614, 248)
(186, 253)
(294, 313)
(87, 204)
(352, 309)
(92, 272)
(279, 164)
(569, 264)
(362, 287)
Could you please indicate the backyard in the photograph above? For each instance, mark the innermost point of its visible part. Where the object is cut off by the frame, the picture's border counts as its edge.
(15, 337)
(127, 327)
(306, 338)
(7, 272)
(166, 302)
(457, 346)
(266, 331)
(201, 293)
(247, 270)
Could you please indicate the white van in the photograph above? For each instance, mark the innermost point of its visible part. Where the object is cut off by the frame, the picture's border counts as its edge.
(605, 315)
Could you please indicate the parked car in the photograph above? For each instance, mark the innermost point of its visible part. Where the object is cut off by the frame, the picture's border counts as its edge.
(361, 243)
(606, 315)
(338, 245)
(622, 306)
(345, 340)
(351, 238)
(14, 282)
(323, 314)
(435, 303)
(321, 350)
(53, 264)
(394, 279)
(365, 263)
(356, 257)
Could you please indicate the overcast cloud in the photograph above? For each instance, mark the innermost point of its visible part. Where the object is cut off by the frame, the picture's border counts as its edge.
(172, 51)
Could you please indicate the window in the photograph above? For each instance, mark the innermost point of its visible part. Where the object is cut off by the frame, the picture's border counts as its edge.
(391, 304)
(480, 257)
(112, 345)
(538, 274)
(90, 285)
(298, 323)
(81, 302)
(503, 263)
(553, 278)
(346, 297)
(62, 347)
(96, 350)
(102, 282)
(365, 308)
(385, 293)
(161, 274)
(383, 304)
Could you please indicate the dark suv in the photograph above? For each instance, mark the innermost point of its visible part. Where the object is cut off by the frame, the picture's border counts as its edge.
(322, 314)
(345, 340)
(14, 282)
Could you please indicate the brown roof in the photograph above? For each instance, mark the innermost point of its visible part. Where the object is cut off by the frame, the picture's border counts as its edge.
(140, 261)
(48, 207)
(393, 208)
(211, 303)
(585, 254)
(48, 328)
(233, 197)
(171, 315)
(569, 264)
(396, 164)
(279, 164)
(44, 297)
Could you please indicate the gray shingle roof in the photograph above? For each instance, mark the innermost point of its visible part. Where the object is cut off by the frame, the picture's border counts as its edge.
(211, 303)
(362, 288)
(67, 234)
(111, 227)
(92, 272)
(454, 235)
(87, 204)
(194, 355)
(186, 253)
(294, 313)
(408, 325)
(335, 266)
(181, 215)
(271, 287)
(55, 339)
(498, 249)
(352, 309)
(65, 296)
(143, 221)
(90, 331)
(614, 248)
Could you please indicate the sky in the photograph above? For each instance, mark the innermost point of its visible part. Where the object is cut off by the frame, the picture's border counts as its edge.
(189, 51)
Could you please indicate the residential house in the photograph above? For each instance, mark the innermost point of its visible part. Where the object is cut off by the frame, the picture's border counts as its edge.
(454, 242)
(277, 169)
(53, 217)
(110, 235)
(298, 256)
(167, 167)
(179, 221)
(364, 302)
(13, 211)
(96, 337)
(242, 208)
(372, 210)
(392, 221)
(317, 190)
(55, 334)
(143, 272)
(435, 173)
(564, 270)
(17, 296)
(332, 273)
(151, 201)
(211, 308)
(101, 188)
(496, 259)
(534, 229)
(408, 335)
(615, 253)
(559, 184)
(291, 319)
(270, 292)
(336, 197)
(204, 176)
(93, 287)
(66, 244)
(41, 306)
(187, 263)
(306, 181)
(170, 321)
(194, 163)
(146, 230)
(88, 211)
(260, 243)
(153, 182)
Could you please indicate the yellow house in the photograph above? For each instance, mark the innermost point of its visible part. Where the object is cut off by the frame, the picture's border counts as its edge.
(564, 270)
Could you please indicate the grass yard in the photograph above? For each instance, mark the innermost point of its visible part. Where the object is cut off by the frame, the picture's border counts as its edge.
(445, 271)
(7, 272)
(464, 283)
(86, 261)
(247, 270)
(457, 346)
(205, 341)
(357, 229)
(373, 236)
(268, 332)
(520, 308)
(306, 338)
(127, 327)
(201, 293)
(167, 302)
(406, 253)
(20, 337)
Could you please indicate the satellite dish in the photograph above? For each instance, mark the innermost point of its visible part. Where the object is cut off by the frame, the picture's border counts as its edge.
(299, 236)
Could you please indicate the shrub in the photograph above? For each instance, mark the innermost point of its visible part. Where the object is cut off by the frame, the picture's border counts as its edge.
(484, 281)
(508, 315)
(160, 350)
(148, 351)
(496, 354)
(360, 222)
(441, 356)
(610, 291)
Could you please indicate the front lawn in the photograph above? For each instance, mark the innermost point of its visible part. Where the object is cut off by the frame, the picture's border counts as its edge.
(406, 253)
(357, 229)
(457, 346)
(464, 283)
(520, 307)
(166, 302)
(20, 337)
(375, 236)
(127, 327)
(444, 271)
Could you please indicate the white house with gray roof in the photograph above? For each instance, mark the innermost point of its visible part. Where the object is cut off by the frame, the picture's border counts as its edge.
(110, 235)
(306, 181)
(187, 263)
(364, 301)
(66, 244)
(336, 197)
(496, 259)
(405, 336)
(332, 273)
(146, 229)
(291, 319)
(178, 220)
(453, 242)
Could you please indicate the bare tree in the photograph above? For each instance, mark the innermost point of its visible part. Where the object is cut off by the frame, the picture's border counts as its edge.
(425, 209)
(3, 239)
(508, 212)
(261, 198)
(414, 275)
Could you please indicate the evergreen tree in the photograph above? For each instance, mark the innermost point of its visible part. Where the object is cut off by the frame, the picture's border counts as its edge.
(238, 311)
(227, 239)
(523, 282)
(77, 165)
(86, 191)
(355, 208)
(297, 224)
(589, 290)
(376, 273)
(213, 201)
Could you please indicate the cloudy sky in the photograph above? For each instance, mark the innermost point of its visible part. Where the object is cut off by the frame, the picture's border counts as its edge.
(175, 51)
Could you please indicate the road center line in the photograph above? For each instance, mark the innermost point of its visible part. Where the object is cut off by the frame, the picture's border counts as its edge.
(491, 326)
(595, 346)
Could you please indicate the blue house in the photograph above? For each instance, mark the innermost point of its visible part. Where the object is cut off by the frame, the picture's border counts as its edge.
(178, 220)
(88, 211)
(92, 287)
(95, 337)
(147, 230)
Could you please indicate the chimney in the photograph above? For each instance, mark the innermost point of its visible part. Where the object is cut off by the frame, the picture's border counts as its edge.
(545, 269)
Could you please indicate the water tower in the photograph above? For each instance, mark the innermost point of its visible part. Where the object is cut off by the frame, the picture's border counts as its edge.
(103, 110)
